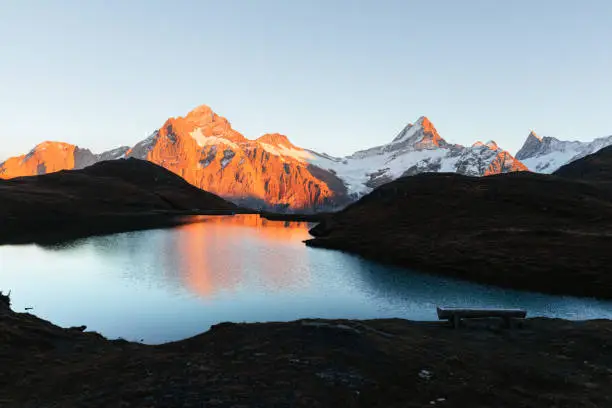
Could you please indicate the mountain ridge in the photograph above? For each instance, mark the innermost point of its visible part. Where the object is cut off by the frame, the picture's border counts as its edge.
(547, 154)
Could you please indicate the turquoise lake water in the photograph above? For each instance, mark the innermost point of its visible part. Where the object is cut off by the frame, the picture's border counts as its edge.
(168, 284)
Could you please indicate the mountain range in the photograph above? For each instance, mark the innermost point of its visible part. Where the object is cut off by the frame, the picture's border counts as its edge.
(271, 172)
(547, 154)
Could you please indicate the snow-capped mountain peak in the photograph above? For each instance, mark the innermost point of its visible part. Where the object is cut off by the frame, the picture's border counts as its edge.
(534, 135)
(531, 147)
(491, 145)
(546, 154)
(420, 135)
(416, 149)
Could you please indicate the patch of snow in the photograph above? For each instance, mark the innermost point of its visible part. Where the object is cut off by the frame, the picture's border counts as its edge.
(406, 133)
(356, 171)
(284, 151)
(203, 140)
(550, 162)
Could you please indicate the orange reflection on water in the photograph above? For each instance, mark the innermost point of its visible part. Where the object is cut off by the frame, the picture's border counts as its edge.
(219, 252)
(275, 230)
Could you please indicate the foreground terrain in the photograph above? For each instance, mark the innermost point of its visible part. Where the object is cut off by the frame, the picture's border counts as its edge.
(107, 197)
(311, 363)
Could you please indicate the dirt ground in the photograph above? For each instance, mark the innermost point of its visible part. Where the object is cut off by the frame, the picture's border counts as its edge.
(312, 363)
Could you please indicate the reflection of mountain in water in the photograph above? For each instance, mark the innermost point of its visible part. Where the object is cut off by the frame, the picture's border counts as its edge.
(269, 230)
(222, 252)
(209, 255)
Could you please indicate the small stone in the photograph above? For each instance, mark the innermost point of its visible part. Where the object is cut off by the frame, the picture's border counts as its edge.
(425, 374)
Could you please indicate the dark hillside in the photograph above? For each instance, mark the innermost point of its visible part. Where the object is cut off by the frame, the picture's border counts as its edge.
(115, 195)
(521, 230)
(596, 167)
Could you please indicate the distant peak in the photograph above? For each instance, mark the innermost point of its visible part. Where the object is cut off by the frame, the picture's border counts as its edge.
(426, 124)
(533, 134)
(53, 146)
(531, 148)
(421, 135)
(201, 112)
(492, 145)
(201, 109)
(422, 119)
(49, 143)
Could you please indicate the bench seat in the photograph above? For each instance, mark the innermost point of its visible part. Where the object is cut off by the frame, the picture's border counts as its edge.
(455, 314)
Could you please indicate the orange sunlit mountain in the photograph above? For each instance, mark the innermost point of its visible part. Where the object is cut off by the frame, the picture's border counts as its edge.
(47, 157)
(270, 171)
(203, 148)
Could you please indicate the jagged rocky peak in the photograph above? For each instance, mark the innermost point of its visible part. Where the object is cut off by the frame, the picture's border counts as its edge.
(491, 144)
(534, 135)
(204, 116)
(201, 123)
(547, 154)
(531, 147)
(202, 113)
(426, 124)
(420, 135)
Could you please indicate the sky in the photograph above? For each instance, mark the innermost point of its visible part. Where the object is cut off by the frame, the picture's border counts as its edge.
(333, 75)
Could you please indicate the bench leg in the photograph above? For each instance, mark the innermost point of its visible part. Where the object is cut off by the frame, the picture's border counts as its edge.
(456, 321)
(507, 322)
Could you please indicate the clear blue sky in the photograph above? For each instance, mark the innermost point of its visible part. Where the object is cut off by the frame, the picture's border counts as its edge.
(333, 75)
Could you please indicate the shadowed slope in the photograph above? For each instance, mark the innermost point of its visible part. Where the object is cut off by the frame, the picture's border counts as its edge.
(112, 194)
(596, 167)
(520, 230)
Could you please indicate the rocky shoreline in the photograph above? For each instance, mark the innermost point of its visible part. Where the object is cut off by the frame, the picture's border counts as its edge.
(311, 363)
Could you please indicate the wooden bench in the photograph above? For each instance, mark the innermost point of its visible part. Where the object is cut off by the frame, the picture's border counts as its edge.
(455, 314)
